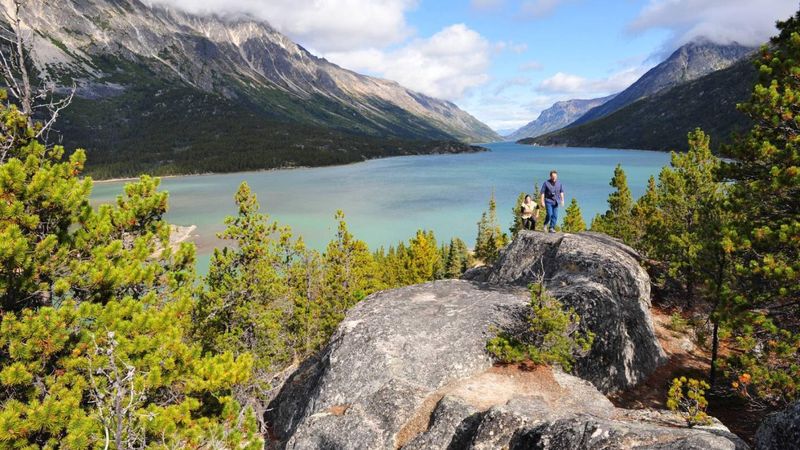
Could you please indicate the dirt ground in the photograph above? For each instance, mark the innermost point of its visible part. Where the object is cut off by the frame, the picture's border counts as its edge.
(496, 386)
(686, 359)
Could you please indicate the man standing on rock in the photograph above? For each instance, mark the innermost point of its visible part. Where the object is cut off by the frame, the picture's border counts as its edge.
(552, 197)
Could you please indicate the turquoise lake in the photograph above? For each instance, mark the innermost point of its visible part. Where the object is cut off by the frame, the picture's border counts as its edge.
(387, 200)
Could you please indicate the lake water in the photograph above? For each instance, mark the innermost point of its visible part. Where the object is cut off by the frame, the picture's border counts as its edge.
(387, 200)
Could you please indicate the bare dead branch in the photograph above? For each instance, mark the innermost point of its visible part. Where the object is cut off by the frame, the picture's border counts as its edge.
(14, 59)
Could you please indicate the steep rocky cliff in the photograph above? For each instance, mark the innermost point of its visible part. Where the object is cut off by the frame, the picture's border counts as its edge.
(408, 368)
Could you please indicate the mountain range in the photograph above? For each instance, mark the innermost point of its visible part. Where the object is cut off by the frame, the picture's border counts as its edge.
(690, 62)
(662, 121)
(177, 92)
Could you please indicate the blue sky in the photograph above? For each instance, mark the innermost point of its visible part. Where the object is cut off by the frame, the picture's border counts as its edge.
(504, 61)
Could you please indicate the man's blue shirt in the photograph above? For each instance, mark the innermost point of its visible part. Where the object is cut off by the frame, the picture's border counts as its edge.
(552, 192)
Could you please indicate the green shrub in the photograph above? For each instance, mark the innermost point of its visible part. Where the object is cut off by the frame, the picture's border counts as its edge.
(678, 323)
(553, 336)
(687, 397)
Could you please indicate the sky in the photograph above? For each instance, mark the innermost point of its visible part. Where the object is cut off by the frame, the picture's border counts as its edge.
(504, 61)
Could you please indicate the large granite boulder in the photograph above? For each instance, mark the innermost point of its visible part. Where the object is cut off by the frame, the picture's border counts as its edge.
(602, 279)
(391, 352)
(780, 431)
(408, 368)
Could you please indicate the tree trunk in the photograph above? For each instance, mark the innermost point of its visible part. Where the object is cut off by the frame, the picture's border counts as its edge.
(712, 376)
(689, 288)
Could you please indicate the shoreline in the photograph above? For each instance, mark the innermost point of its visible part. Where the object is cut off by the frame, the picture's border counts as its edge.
(273, 169)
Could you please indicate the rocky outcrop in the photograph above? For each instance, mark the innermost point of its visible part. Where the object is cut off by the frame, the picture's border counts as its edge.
(780, 430)
(407, 368)
(392, 351)
(602, 279)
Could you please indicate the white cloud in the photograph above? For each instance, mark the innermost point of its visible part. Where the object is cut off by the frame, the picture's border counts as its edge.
(748, 22)
(325, 25)
(564, 83)
(445, 65)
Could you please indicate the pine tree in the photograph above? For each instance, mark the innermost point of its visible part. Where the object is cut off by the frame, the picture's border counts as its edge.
(617, 220)
(647, 220)
(481, 241)
(97, 314)
(309, 304)
(715, 264)
(490, 237)
(573, 222)
(685, 188)
(457, 258)
(350, 272)
(247, 305)
(423, 258)
(765, 198)
(536, 195)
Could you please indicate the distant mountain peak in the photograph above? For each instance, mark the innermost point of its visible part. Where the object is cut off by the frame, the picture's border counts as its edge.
(558, 116)
(687, 63)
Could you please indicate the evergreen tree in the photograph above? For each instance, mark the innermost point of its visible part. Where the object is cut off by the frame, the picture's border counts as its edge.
(646, 217)
(350, 272)
(457, 258)
(444, 254)
(573, 222)
(617, 220)
(308, 331)
(490, 237)
(715, 264)
(247, 305)
(685, 188)
(536, 195)
(424, 258)
(95, 344)
(481, 241)
(765, 198)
